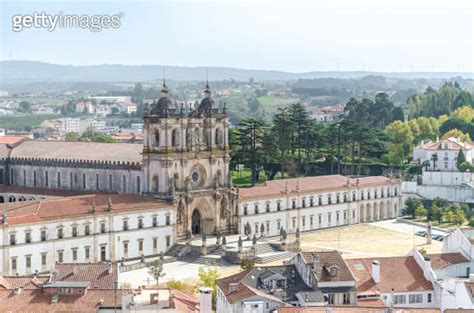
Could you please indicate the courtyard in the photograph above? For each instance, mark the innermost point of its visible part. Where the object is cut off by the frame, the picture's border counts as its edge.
(361, 240)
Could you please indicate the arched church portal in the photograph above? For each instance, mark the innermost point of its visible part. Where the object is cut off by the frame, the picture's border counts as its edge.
(196, 222)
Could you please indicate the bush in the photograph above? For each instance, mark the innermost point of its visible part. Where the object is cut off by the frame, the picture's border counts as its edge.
(471, 222)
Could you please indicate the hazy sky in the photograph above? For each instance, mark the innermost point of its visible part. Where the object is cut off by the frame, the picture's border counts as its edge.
(388, 35)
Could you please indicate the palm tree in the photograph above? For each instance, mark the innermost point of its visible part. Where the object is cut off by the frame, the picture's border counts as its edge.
(434, 159)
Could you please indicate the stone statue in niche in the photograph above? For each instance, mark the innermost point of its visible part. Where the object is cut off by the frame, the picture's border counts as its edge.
(180, 211)
(224, 207)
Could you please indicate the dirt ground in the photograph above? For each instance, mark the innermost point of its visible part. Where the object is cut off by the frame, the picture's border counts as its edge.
(364, 240)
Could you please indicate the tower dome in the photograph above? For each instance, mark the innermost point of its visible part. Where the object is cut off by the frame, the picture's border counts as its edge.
(207, 103)
(164, 104)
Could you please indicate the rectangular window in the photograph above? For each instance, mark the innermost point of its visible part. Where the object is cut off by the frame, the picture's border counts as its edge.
(293, 222)
(329, 200)
(140, 246)
(125, 248)
(278, 224)
(155, 243)
(311, 220)
(268, 207)
(60, 255)
(60, 233)
(59, 180)
(102, 228)
(168, 219)
(303, 221)
(245, 210)
(354, 197)
(74, 231)
(138, 184)
(125, 225)
(97, 187)
(278, 206)
(84, 185)
(46, 179)
(337, 216)
(303, 203)
(338, 198)
(43, 259)
(346, 299)
(293, 204)
(28, 237)
(103, 253)
(329, 217)
(43, 235)
(320, 201)
(311, 202)
(320, 218)
(14, 265)
(399, 299)
(415, 298)
(28, 261)
(74, 254)
(155, 221)
(256, 208)
(110, 182)
(124, 183)
(87, 252)
(140, 223)
(87, 230)
(168, 241)
(429, 298)
(12, 239)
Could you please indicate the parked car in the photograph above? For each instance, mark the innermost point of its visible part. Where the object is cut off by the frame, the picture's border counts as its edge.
(438, 237)
(421, 233)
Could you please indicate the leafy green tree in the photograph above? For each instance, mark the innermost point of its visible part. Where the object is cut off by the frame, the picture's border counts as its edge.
(411, 204)
(155, 270)
(459, 217)
(247, 263)
(72, 137)
(208, 277)
(250, 134)
(283, 130)
(24, 106)
(436, 213)
(421, 211)
(461, 158)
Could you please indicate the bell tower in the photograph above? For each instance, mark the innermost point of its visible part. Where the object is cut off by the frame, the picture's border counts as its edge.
(186, 161)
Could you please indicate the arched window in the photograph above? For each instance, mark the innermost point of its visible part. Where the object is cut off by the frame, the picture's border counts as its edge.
(175, 138)
(155, 183)
(157, 137)
(218, 139)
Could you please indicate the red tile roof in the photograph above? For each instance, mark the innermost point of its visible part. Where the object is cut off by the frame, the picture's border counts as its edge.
(442, 260)
(327, 259)
(75, 206)
(309, 184)
(455, 144)
(353, 309)
(79, 150)
(11, 140)
(36, 301)
(400, 273)
(95, 273)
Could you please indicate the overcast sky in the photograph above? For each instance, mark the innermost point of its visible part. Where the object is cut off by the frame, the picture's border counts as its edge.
(388, 35)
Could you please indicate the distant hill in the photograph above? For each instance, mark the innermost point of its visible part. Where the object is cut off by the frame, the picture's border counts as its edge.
(13, 72)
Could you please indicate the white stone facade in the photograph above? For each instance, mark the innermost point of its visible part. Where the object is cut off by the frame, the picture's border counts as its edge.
(36, 246)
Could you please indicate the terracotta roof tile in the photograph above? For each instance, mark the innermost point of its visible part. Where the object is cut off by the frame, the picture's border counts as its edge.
(308, 184)
(11, 140)
(328, 259)
(400, 273)
(442, 260)
(79, 150)
(67, 207)
(353, 309)
(95, 273)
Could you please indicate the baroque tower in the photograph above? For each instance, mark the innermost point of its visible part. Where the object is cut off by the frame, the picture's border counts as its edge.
(186, 161)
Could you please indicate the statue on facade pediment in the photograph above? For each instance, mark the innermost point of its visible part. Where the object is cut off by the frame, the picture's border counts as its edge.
(172, 185)
(189, 139)
(224, 207)
(180, 211)
(187, 184)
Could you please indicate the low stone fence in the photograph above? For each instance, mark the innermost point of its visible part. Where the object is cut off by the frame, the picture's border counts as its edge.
(424, 225)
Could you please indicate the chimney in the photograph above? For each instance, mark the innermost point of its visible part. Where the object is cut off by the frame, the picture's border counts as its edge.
(376, 271)
(205, 300)
(315, 262)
